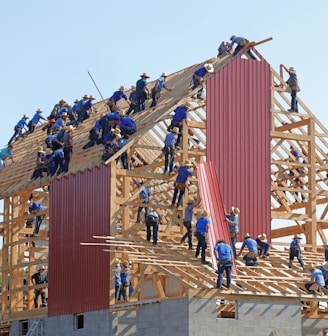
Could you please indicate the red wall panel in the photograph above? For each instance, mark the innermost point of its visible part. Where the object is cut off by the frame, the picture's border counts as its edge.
(212, 201)
(238, 139)
(79, 209)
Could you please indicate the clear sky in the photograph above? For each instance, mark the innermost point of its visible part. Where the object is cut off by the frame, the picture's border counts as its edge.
(48, 47)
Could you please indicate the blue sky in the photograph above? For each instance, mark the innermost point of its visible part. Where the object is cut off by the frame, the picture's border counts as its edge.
(49, 46)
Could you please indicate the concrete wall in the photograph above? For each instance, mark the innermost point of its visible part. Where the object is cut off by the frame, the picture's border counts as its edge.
(194, 317)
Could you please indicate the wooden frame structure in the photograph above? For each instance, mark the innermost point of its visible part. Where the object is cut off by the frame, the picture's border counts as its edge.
(169, 271)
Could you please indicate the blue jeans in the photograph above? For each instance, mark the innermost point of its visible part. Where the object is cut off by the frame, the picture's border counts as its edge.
(154, 227)
(294, 252)
(140, 211)
(67, 158)
(201, 246)
(169, 158)
(196, 84)
(141, 98)
(59, 161)
(38, 222)
(38, 292)
(294, 104)
(187, 225)
(221, 268)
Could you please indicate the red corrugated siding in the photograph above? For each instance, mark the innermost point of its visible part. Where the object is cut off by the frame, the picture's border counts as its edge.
(79, 209)
(212, 201)
(238, 139)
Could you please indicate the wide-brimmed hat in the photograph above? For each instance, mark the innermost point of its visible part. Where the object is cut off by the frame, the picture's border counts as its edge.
(247, 235)
(144, 75)
(85, 96)
(263, 237)
(122, 88)
(39, 110)
(209, 67)
(92, 97)
(187, 163)
(175, 130)
(76, 101)
(205, 213)
(190, 200)
(41, 268)
(121, 113)
(116, 131)
(164, 74)
(291, 69)
(39, 149)
(297, 236)
(133, 87)
(325, 266)
(69, 128)
(49, 151)
(232, 37)
(64, 114)
(235, 210)
(25, 116)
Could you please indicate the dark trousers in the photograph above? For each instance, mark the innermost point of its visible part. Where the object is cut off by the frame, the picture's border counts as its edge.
(67, 158)
(141, 98)
(224, 267)
(294, 252)
(201, 246)
(59, 161)
(187, 225)
(169, 158)
(140, 211)
(233, 238)
(17, 134)
(195, 85)
(132, 108)
(175, 194)
(149, 228)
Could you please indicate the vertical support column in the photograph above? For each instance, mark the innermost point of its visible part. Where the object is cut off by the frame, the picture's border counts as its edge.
(5, 255)
(311, 224)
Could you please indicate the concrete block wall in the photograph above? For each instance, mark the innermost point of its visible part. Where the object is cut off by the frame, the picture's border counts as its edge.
(187, 317)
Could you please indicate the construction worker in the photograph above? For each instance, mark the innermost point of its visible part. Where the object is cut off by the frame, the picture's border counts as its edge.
(170, 149)
(198, 78)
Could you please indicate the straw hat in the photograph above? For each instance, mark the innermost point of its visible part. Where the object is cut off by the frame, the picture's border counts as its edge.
(92, 97)
(187, 105)
(41, 268)
(190, 200)
(205, 214)
(116, 131)
(235, 210)
(247, 235)
(232, 37)
(133, 87)
(209, 67)
(39, 149)
(122, 88)
(64, 114)
(62, 101)
(164, 74)
(144, 75)
(297, 236)
(187, 163)
(291, 69)
(263, 237)
(325, 266)
(85, 96)
(48, 151)
(175, 130)
(121, 113)
(76, 101)
(25, 116)
(69, 128)
(39, 110)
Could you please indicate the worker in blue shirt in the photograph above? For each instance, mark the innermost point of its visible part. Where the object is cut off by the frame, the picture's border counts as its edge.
(133, 101)
(198, 78)
(180, 182)
(142, 92)
(93, 135)
(317, 282)
(180, 118)
(263, 246)
(157, 88)
(188, 214)
(240, 42)
(223, 49)
(202, 227)
(127, 125)
(251, 257)
(6, 153)
(233, 225)
(34, 208)
(116, 97)
(170, 149)
(295, 251)
(126, 280)
(35, 120)
(19, 129)
(143, 198)
(118, 281)
(223, 256)
(152, 221)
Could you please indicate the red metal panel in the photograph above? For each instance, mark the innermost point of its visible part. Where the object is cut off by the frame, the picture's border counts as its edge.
(212, 201)
(79, 209)
(238, 139)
